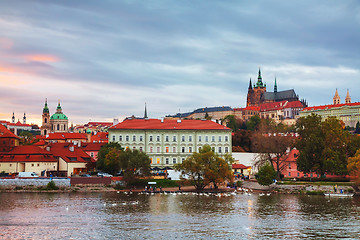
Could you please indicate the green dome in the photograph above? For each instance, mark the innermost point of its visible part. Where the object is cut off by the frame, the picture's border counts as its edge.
(88, 131)
(59, 116)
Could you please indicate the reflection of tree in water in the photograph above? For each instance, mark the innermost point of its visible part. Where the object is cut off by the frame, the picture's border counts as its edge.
(196, 204)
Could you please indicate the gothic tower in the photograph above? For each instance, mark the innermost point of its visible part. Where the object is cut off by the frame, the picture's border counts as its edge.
(255, 93)
(24, 119)
(336, 98)
(348, 98)
(13, 118)
(45, 127)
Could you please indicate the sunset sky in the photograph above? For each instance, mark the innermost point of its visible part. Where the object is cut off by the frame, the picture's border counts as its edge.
(105, 59)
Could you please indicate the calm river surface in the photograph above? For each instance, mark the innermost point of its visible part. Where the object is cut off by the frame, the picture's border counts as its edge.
(136, 216)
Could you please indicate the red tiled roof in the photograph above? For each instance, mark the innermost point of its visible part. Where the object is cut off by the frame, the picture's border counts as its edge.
(63, 150)
(19, 124)
(92, 146)
(322, 107)
(27, 153)
(99, 137)
(248, 108)
(6, 133)
(169, 124)
(40, 143)
(239, 166)
(280, 105)
(107, 124)
(64, 136)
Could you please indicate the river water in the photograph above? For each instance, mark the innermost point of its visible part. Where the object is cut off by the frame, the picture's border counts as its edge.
(136, 216)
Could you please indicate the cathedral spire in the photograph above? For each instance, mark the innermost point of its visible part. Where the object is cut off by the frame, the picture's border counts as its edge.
(259, 82)
(145, 113)
(13, 118)
(275, 86)
(348, 98)
(24, 119)
(250, 86)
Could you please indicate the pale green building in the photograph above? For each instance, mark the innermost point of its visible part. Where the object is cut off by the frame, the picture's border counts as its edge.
(168, 142)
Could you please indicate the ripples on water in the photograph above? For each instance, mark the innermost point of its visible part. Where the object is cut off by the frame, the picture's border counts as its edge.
(120, 216)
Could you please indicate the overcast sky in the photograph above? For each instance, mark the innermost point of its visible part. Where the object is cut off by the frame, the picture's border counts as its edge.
(105, 59)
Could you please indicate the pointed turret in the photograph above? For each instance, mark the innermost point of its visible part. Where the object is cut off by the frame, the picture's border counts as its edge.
(24, 119)
(145, 113)
(275, 86)
(336, 98)
(348, 98)
(250, 86)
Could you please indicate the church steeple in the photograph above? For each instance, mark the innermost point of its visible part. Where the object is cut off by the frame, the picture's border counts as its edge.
(46, 109)
(24, 119)
(13, 118)
(348, 98)
(59, 109)
(145, 113)
(275, 86)
(336, 98)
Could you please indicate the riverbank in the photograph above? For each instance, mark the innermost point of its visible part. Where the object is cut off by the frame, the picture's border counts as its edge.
(248, 186)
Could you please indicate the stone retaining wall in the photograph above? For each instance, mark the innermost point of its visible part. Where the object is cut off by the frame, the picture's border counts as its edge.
(60, 182)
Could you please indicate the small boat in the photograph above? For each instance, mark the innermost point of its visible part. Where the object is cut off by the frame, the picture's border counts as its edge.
(339, 194)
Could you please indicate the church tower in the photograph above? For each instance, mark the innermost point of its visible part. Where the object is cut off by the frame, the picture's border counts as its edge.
(13, 118)
(24, 119)
(336, 98)
(45, 127)
(348, 98)
(255, 93)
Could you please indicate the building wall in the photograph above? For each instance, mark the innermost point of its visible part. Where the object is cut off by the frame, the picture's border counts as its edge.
(350, 115)
(71, 168)
(167, 147)
(37, 167)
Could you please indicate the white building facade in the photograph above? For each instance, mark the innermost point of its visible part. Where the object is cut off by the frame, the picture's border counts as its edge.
(168, 142)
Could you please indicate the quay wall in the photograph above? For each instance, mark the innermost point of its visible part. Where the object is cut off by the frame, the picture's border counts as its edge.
(38, 182)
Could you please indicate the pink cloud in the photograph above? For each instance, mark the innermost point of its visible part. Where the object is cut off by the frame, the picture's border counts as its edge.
(42, 58)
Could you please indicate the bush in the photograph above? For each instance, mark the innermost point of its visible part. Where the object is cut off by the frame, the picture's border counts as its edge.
(239, 183)
(51, 186)
(266, 175)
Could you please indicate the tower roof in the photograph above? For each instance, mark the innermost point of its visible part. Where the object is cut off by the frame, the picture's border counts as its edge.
(46, 109)
(259, 82)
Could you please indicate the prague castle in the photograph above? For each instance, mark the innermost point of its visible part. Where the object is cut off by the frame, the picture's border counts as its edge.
(258, 95)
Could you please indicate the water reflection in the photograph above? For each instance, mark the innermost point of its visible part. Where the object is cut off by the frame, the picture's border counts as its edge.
(135, 216)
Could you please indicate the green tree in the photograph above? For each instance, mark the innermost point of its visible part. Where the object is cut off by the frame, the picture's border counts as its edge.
(206, 167)
(357, 128)
(253, 123)
(233, 123)
(26, 138)
(323, 146)
(103, 163)
(354, 166)
(310, 144)
(266, 175)
(134, 163)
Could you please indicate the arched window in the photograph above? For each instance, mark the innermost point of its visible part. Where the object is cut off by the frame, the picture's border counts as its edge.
(45, 120)
(58, 127)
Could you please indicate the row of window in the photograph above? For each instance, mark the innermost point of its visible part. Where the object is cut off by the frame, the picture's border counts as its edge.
(305, 175)
(167, 160)
(167, 138)
(183, 149)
